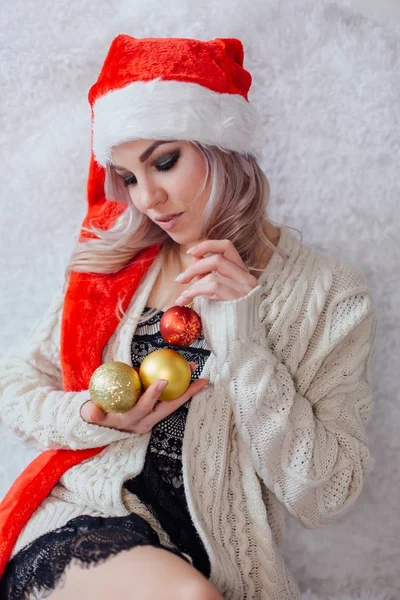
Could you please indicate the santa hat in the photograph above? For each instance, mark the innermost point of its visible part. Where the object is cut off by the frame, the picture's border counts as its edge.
(168, 89)
(173, 88)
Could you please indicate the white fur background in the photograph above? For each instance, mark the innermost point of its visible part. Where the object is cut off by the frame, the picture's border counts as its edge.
(327, 81)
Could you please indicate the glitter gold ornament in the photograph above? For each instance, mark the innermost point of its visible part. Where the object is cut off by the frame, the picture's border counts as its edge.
(170, 365)
(115, 387)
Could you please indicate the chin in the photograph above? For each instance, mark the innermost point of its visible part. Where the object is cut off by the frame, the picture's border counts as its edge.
(181, 237)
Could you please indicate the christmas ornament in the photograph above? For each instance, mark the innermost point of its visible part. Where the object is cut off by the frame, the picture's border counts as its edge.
(170, 365)
(180, 326)
(115, 387)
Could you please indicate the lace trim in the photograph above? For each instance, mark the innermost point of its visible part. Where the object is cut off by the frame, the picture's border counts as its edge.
(85, 541)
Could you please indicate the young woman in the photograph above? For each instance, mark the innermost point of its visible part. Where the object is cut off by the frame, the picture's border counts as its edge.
(184, 498)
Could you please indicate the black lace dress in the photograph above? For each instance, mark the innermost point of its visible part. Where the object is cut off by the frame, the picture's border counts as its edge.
(36, 570)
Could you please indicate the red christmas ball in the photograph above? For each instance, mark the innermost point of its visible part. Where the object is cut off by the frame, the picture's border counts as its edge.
(180, 326)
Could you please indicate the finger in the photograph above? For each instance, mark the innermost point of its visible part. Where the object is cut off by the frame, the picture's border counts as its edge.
(94, 415)
(127, 420)
(224, 247)
(91, 413)
(165, 408)
(147, 401)
(214, 287)
(225, 267)
(150, 397)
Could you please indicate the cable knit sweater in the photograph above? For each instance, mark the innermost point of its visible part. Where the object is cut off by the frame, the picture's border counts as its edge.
(282, 425)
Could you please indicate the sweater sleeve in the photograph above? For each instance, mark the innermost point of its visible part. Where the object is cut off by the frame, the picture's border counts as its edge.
(309, 446)
(33, 404)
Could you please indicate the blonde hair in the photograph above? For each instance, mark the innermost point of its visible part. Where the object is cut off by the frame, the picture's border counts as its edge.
(236, 210)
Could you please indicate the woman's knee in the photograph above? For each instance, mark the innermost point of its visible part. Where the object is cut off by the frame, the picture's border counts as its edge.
(198, 590)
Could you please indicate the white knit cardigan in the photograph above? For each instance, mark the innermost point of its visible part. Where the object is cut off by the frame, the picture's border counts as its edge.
(283, 423)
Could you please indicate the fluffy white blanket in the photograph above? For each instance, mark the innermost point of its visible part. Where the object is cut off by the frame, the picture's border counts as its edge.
(327, 82)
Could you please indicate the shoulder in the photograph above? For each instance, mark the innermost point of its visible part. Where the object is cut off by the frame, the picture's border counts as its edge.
(315, 268)
(347, 302)
(316, 289)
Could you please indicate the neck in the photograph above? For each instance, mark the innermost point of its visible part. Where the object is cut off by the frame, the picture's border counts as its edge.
(183, 248)
(180, 251)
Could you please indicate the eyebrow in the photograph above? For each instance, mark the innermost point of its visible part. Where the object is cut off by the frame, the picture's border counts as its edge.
(145, 154)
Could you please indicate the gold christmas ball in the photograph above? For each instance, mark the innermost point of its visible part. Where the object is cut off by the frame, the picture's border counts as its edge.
(170, 365)
(115, 387)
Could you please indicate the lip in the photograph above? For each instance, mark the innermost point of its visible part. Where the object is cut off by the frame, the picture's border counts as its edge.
(167, 225)
(167, 216)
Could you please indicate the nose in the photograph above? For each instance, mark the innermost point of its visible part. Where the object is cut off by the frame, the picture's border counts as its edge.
(150, 194)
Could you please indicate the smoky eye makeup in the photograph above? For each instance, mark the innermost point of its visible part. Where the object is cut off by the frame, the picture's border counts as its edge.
(168, 161)
(164, 163)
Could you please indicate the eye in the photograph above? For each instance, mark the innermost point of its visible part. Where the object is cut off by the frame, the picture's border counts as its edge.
(129, 180)
(165, 165)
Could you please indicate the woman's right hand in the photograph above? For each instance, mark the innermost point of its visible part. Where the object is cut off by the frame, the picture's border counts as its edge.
(146, 413)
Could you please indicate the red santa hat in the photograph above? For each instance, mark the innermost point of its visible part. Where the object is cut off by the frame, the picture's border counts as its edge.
(173, 88)
(167, 89)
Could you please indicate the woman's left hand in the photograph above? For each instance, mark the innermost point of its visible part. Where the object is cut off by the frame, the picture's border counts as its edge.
(222, 275)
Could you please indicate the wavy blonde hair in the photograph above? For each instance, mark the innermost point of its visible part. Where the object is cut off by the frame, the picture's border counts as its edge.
(236, 210)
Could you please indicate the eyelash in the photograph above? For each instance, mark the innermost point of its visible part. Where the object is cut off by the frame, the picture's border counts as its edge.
(165, 167)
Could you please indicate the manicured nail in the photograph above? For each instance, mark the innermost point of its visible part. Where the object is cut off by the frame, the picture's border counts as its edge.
(191, 250)
(180, 277)
(162, 384)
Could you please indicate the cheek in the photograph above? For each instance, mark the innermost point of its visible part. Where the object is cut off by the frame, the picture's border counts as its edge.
(132, 197)
(191, 184)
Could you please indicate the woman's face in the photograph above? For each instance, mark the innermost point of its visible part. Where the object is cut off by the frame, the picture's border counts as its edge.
(163, 179)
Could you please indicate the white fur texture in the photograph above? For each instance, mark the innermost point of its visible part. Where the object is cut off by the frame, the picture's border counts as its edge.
(168, 110)
(326, 81)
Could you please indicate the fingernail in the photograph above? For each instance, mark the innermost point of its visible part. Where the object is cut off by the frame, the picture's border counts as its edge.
(83, 411)
(180, 277)
(191, 250)
(162, 384)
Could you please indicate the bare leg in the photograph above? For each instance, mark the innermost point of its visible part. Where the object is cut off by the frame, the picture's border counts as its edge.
(143, 573)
